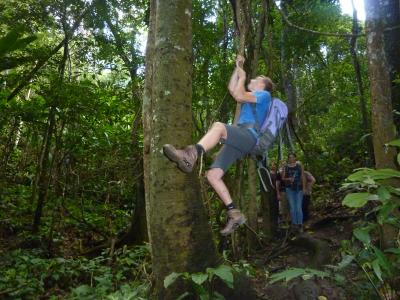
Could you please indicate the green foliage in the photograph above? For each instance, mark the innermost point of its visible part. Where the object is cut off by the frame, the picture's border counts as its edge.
(96, 151)
(203, 282)
(13, 41)
(28, 274)
(357, 199)
(382, 185)
(293, 273)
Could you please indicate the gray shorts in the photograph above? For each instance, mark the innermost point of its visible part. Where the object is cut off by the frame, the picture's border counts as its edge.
(240, 141)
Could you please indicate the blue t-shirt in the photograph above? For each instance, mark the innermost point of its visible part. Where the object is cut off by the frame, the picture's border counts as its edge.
(262, 106)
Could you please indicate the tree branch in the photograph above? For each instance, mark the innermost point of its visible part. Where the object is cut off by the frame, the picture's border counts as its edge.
(286, 19)
(44, 60)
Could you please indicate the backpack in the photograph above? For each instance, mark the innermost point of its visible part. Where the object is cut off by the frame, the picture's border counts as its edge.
(269, 128)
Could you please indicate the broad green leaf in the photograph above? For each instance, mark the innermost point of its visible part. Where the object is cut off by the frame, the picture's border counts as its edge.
(287, 275)
(382, 260)
(384, 212)
(225, 273)
(170, 279)
(385, 173)
(393, 250)
(383, 193)
(379, 174)
(296, 272)
(398, 158)
(356, 199)
(199, 278)
(377, 269)
(318, 273)
(359, 175)
(369, 181)
(201, 292)
(395, 143)
(393, 190)
(362, 235)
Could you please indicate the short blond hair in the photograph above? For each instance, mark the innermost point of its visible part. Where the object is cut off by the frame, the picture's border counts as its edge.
(269, 84)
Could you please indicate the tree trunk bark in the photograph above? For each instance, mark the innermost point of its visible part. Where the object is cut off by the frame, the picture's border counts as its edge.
(391, 15)
(42, 183)
(382, 112)
(383, 127)
(179, 233)
(287, 72)
(269, 207)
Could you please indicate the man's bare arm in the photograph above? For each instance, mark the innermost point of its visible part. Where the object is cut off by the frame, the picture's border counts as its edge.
(233, 82)
(240, 94)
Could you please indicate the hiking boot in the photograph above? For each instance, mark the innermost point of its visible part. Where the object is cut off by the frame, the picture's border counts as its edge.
(235, 219)
(184, 159)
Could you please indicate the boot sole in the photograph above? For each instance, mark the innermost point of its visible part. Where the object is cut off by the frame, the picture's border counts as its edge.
(171, 155)
(235, 226)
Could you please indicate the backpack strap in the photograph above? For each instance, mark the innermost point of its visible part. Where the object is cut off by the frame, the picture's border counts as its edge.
(257, 124)
(260, 166)
(260, 161)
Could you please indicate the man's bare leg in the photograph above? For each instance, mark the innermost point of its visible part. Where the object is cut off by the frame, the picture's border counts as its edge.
(213, 136)
(235, 217)
(214, 177)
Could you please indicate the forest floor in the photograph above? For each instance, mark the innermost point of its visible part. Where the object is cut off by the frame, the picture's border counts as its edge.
(319, 246)
(316, 248)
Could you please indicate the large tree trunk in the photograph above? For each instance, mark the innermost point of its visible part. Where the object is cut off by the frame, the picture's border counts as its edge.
(179, 233)
(382, 113)
(391, 15)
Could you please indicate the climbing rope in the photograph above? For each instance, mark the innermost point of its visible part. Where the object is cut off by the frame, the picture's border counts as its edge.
(201, 163)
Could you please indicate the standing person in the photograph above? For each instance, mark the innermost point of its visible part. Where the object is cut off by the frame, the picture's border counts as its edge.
(293, 175)
(281, 195)
(310, 180)
(237, 140)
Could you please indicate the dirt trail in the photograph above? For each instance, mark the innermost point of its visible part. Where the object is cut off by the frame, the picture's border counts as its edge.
(317, 246)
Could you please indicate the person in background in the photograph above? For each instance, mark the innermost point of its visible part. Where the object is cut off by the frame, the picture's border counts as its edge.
(293, 176)
(310, 180)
